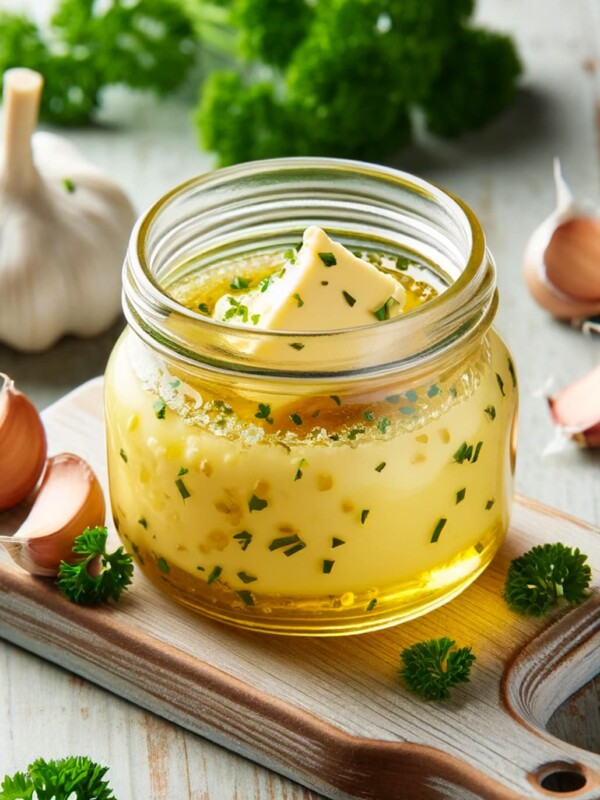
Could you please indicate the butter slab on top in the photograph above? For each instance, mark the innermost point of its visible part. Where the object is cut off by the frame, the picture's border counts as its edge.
(323, 287)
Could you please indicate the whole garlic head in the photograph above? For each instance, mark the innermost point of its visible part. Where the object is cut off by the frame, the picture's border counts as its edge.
(64, 228)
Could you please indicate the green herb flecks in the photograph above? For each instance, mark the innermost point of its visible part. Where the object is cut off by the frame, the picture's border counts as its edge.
(290, 255)
(412, 396)
(245, 578)
(256, 503)
(215, 573)
(489, 505)
(298, 299)
(244, 538)
(380, 467)
(479, 548)
(328, 259)
(183, 490)
(160, 409)
(476, 453)
(363, 515)
(289, 544)
(460, 495)
(511, 369)
(327, 566)
(431, 669)
(163, 565)
(237, 310)
(183, 471)
(348, 298)
(175, 384)
(354, 432)
(324, 283)
(69, 185)
(203, 308)
(301, 464)
(433, 390)
(337, 542)
(371, 605)
(136, 552)
(437, 530)
(123, 455)
(239, 283)
(255, 319)
(265, 283)
(297, 345)
(296, 418)
(264, 412)
(143, 522)
(466, 452)
(394, 399)
(386, 310)
(491, 412)
(383, 424)
(336, 399)
(500, 385)
(246, 597)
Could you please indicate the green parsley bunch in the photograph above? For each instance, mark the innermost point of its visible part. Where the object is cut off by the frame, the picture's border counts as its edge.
(75, 777)
(431, 669)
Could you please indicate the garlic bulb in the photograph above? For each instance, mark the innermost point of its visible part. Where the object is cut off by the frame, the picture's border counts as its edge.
(64, 228)
(22, 445)
(562, 258)
(575, 409)
(68, 501)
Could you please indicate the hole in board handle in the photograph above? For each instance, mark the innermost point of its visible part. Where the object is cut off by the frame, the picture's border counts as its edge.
(562, 779)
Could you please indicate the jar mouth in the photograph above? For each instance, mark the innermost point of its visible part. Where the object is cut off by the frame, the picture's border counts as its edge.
(267, 204)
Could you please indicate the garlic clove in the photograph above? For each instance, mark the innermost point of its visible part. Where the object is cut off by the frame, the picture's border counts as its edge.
(575, 410)
(561, 262)
(68, 501)
(22, 445)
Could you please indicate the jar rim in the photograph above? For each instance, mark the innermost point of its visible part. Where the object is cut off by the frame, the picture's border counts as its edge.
(462, 310)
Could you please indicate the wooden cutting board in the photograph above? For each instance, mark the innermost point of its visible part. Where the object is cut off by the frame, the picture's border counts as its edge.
(331, 713)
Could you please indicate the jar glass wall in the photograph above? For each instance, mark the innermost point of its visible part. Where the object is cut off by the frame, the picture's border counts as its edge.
(321, 483)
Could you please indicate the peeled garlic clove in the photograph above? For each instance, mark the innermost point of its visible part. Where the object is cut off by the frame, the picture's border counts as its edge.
(561, 263)
(22, 444)
(68, 501)
(576, 409)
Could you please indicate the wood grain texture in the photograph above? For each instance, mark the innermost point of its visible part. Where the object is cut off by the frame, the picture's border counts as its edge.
(331, 713)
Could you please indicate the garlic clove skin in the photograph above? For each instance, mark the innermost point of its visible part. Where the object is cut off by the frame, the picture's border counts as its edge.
(64, 229)
(68, 501)
(575, 409)
(23, 445)
(561, 261)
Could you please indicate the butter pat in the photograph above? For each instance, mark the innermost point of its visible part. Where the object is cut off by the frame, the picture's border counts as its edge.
(322, 287)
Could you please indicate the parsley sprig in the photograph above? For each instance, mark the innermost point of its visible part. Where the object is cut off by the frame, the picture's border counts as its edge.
(78, 584)
(431, 669)
(75, 777)
(545, 575)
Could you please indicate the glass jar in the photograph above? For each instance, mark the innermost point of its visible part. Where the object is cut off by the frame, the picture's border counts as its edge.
(321, 483)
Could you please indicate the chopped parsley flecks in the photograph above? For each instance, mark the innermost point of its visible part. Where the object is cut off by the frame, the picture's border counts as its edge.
(328, 259)
(183, 490)
(476, 453)
(298, 299)
(203, 308)
(385, 311)
(160, 409)
(490, 411)
(237, 310)
(363, 515)
(383, 424)
(337, 542)
(408, 410)
(290, 255)
(264, 412)
(327, 566)
(245, 578)
(489, 504)
(348, 298)
(393, 398)
(437, 530)
(183, 471)
(301, 464)
(354, 432)
(244, 538)
(500, 385)
(511, 369)
(453, 391)
(289, 544)
(297, 345)
(478, 547)
(265, 283)
(200, 569)
(216, 571)
(257, 503)
(143, 522)
(372, 604)
(412, 396)
(255, 319)
(403, 263)
(460, 495)
(369, 416)
(466, 452)
(433, 390)
(162, 564)
(175, 384)
(296, 418)
(324, 283)
(246, 597)
(69, 185)
(336, 399)
(136, 552)
(123, 455)
(239, 283)
(380, 467)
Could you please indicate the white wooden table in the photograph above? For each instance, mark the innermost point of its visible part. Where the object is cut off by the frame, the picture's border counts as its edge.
(504, 173)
